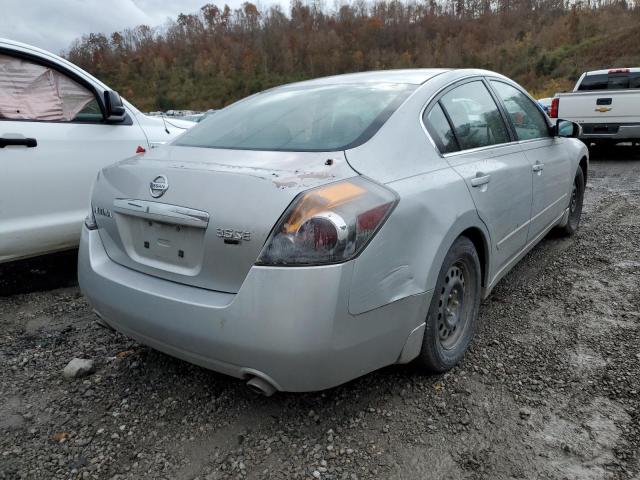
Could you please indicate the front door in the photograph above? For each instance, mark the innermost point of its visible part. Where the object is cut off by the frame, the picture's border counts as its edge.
(53, 142)
(550, 166)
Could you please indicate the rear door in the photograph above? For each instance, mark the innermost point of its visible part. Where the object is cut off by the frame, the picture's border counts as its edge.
(53, 141)
(470, 132)
(548, 160)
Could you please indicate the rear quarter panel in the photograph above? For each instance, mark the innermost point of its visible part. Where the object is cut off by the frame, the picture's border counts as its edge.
(405, 257)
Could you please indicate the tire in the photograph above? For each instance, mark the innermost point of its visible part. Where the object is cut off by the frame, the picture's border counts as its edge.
(575, 205)
(458, 289)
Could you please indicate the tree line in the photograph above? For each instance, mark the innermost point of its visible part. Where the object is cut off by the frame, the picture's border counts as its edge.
(217, 55)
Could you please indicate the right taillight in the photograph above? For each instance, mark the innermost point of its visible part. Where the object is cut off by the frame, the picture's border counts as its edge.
(329, 224)
(553, 110)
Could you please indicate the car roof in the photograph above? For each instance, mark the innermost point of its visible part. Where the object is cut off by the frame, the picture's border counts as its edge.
(414, 76)
(25, 47)
(48, 56)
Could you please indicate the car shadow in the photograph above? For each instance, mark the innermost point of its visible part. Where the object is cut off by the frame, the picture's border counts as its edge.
(625, 152)
(46, 272)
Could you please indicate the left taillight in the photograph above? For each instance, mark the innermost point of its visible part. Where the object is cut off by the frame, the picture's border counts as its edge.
(553, 110)
(90, 220)
(329, 224)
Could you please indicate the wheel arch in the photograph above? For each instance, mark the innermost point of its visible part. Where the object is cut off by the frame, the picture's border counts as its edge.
(471, 226)
(481, 243)
(584, 166)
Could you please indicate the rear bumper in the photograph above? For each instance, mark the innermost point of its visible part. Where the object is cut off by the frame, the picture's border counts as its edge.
(289, 326)
(611, 131)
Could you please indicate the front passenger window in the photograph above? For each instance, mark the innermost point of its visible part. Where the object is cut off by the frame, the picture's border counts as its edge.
(476, 120)
(526, 117)
(31, 91)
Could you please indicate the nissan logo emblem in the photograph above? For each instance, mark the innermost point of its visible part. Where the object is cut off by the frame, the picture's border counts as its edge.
(158, 186)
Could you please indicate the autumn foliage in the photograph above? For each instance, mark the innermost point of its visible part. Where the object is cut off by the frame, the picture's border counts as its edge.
(217, 55)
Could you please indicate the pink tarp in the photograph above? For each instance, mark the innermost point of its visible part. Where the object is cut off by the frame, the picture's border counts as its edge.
(29, 91)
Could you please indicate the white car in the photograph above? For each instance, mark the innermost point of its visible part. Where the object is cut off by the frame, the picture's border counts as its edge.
(58, 127)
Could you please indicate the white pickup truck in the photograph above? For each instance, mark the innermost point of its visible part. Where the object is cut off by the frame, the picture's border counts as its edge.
(606, 103)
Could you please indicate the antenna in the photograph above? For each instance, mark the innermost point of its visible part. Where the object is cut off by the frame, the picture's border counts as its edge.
(164, 122)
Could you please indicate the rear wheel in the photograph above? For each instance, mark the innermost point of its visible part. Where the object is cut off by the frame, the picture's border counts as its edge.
(575, 205)
(452, 317)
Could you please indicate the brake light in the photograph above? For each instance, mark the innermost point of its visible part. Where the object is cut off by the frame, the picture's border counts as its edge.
(370, 219)
(319, 233)
(329, 224)
(553, 110)
(140, 149)
(619, 70)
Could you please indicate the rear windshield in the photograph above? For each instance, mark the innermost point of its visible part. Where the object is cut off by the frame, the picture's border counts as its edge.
(610, 81)
(304, 118)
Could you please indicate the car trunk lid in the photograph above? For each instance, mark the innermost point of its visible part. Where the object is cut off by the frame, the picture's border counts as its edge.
(200, 216)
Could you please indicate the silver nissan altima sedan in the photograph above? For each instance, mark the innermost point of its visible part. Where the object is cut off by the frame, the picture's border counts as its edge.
(315, 232)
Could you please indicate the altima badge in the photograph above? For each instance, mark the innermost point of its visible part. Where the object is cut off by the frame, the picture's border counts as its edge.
(105, 212)
(158, 186)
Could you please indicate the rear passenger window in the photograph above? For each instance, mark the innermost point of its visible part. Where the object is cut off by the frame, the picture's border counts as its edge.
(526, 117)
(440, 130)
(474, 116)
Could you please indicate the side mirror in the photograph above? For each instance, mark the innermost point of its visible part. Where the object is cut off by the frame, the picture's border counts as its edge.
(567, 129)
(114, 108)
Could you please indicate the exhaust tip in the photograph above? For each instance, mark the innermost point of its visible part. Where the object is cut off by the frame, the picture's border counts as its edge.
(261, 386)
(101, 322)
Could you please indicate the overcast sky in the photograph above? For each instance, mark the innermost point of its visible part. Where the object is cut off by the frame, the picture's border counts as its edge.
(54, 24)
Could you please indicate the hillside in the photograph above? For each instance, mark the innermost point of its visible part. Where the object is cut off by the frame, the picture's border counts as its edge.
(214, 56)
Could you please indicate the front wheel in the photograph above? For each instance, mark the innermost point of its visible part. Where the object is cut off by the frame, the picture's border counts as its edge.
(575, 205)
(452, 317)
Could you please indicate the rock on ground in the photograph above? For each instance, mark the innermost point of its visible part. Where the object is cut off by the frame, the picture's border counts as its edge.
(78, 367)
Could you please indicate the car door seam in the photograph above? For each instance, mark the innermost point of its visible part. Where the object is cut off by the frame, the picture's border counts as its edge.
(513, 232)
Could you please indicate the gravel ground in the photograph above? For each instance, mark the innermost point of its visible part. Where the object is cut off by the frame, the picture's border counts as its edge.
(549, 388)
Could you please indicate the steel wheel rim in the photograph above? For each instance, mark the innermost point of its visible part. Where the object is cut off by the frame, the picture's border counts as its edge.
(574, 198)
(453, 305)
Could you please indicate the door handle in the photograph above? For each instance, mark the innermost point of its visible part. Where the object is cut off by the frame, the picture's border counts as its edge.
(538, 167)
(26, 142)
(480, 179)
